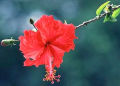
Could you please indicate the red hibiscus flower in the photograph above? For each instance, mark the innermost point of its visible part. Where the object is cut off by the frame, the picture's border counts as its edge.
(47, 45)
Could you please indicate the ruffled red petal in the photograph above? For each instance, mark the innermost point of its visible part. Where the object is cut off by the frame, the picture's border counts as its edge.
(66, 40)
(52, 40)
(31, 44)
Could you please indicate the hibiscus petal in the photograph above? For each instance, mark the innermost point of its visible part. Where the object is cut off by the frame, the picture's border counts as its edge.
(44, 58)
(66, 41)
(31, 44)
(57, 55)
(43, 26)
(28, 62)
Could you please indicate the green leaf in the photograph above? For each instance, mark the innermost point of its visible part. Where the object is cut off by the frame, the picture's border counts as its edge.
(99, 10)
(106, 19)
(116, 13)
(109, 18)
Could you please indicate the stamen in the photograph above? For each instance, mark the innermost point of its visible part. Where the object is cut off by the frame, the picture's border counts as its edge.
(51, 73)
(51, 77)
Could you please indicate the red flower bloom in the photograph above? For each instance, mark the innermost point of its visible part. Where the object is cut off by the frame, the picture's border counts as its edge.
(47, 45)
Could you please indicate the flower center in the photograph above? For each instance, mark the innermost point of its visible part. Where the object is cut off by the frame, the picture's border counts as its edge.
(47, 43)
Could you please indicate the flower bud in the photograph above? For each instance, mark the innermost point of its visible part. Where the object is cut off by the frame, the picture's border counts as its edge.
(31, 21)
(8, 42)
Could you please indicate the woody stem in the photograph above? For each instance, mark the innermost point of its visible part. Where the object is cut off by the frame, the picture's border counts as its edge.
(95, 18)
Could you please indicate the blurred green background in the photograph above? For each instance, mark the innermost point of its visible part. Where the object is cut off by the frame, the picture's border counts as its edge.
(95, 60)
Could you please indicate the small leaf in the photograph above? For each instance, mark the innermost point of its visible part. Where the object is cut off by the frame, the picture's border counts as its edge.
(109, 18)
(99, 10)
(116, 13)
(106, 19)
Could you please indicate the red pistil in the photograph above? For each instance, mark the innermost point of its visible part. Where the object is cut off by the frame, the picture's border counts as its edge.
(51, 73)
(51, 77)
